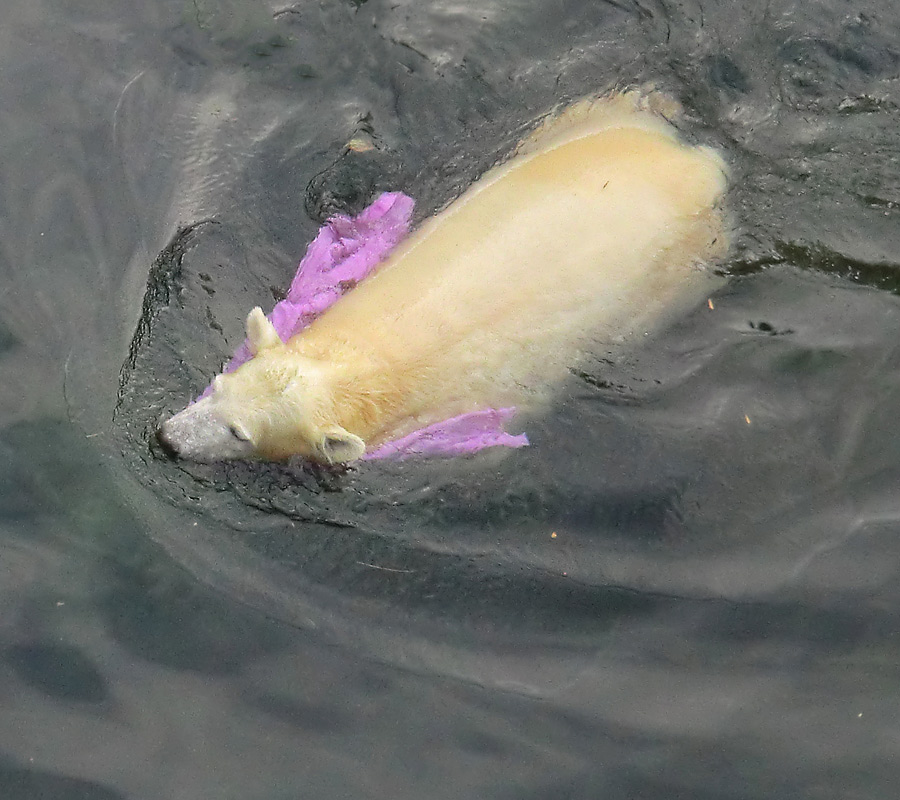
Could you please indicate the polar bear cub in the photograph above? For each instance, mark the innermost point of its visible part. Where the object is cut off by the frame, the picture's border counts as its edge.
(598, 224)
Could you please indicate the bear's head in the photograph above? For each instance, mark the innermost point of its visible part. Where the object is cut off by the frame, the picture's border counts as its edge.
(276, 405)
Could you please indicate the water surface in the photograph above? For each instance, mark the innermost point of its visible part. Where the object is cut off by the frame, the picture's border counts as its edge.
(717, 613)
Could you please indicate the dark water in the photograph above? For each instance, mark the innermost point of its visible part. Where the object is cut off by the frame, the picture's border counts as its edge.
(718, 615)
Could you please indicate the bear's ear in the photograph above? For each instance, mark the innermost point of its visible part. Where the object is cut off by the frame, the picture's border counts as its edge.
(338, 446)
(261, 333)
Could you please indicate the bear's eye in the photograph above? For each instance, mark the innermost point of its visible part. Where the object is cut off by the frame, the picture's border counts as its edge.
(238, 433)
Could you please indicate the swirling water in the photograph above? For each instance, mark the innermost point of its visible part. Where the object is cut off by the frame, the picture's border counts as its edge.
(685, 588)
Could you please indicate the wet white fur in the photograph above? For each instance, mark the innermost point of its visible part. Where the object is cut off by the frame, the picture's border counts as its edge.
(598, 226)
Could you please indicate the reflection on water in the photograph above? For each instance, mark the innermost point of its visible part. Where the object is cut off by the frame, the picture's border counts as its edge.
(715, 614)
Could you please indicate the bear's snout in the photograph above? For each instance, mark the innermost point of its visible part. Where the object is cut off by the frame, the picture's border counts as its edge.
(165, 442)
(199, 433)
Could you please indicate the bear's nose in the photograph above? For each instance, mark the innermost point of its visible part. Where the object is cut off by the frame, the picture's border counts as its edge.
(165, 442)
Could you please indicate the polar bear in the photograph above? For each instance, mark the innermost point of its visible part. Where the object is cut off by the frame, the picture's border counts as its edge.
(600, 223)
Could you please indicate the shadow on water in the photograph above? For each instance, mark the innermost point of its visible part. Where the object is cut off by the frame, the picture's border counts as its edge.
(26, 784)
(147, 602)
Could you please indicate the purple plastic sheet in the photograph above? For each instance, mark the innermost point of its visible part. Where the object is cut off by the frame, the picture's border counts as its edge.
(345, 252)
(466, 433)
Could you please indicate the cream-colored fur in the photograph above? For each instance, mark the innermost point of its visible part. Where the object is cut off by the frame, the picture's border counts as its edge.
(596, 226)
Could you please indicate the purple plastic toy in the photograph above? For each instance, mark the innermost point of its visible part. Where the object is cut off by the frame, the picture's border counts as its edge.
(345, 252)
